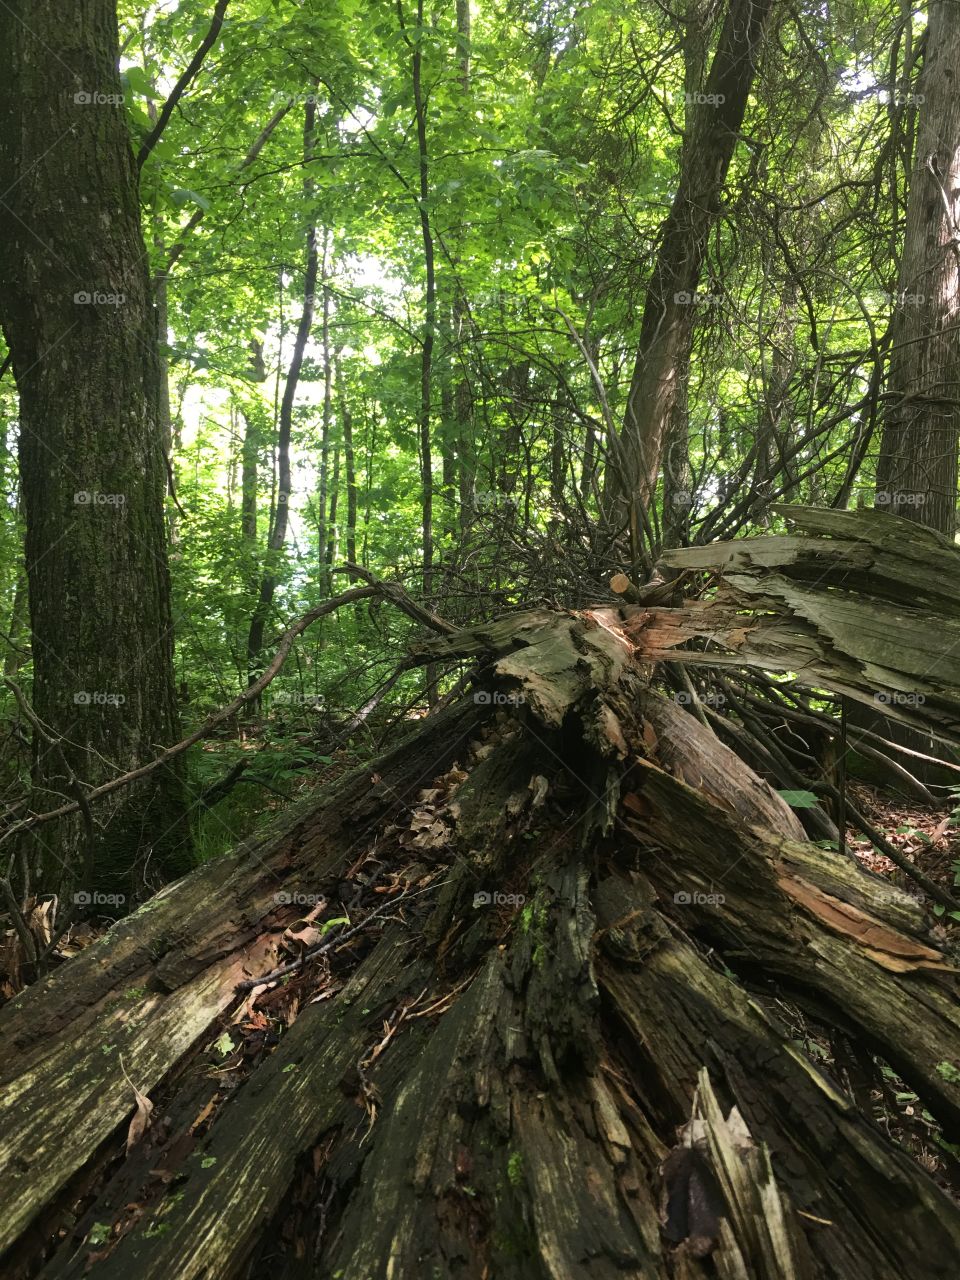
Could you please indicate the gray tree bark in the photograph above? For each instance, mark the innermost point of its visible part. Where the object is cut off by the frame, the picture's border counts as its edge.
(77, 311)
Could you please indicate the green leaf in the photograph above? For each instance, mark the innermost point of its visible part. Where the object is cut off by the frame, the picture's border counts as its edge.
(224, 1044)
(799, 799)
(137, 81)
(183, 196)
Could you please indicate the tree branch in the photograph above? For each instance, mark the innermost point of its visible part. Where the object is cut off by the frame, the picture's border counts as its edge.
(180, 88)
(248, 695)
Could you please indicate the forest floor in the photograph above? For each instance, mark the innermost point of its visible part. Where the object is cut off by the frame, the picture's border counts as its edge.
(929, 837)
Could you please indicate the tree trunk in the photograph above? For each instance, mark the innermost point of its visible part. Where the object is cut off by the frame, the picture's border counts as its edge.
(278, 530)
(917, 467)
(669, 308)
(249, 483)
(917, 470)
(346, 421)
(425, 409)
(322, 494)
(79, 319)
(491, 1083)
(333, 532)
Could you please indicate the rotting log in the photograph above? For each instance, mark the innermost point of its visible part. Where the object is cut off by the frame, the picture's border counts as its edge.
(858, 602)
(492, 1084)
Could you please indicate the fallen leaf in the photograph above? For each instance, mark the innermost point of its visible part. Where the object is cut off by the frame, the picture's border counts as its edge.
(305, 938)
(223, 1044)
(941, 829)
(141, 1118)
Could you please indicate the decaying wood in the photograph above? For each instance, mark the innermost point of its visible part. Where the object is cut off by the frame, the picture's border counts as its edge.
(858, 603)
(498, 1090)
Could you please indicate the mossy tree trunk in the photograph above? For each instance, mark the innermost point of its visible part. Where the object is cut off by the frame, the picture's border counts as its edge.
(77, 313)
(917, 468)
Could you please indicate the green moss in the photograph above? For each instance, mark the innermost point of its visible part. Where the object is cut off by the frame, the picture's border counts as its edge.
(515, 1169)
(515, 1243)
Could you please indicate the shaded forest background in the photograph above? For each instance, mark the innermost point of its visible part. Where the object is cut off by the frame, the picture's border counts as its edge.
(495, 300)
(480, 646)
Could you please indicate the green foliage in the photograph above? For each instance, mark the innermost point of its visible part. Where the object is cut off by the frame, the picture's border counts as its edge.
(799, 799)
(552, 158)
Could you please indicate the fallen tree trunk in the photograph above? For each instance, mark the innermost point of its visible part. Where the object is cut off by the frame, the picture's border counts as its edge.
(567, 903)
(860, 603)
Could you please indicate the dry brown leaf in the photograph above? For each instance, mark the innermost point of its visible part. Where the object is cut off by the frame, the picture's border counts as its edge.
(141, 1118)
(941, 829)
(204, 1114)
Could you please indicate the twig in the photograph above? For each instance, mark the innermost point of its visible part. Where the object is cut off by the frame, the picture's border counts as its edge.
(180, 88)
(320, 949)
(405, 602)
(252, 692)
(74, 787)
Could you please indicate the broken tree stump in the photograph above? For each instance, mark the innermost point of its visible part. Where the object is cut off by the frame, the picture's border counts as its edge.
(595, 903)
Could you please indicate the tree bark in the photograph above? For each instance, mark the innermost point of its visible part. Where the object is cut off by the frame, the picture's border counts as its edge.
(917, 469)
(493, 1085)
(671, 298)
(278, 529)
(79, 319)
